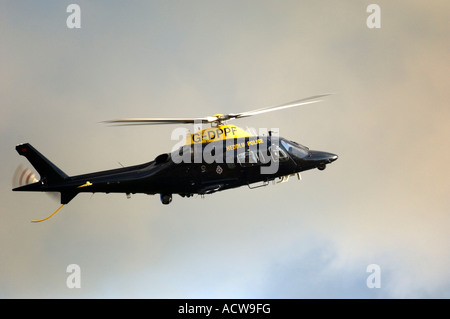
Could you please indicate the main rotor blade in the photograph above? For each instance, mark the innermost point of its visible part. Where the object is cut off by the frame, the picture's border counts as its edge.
(308, 100)
(155, 121)
(219, 118)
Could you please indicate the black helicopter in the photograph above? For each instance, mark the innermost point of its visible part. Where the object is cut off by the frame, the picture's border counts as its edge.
(214, 159)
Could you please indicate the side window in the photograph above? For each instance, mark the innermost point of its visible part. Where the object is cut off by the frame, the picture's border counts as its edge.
(248, 158)
(264, 157)
(277, 153)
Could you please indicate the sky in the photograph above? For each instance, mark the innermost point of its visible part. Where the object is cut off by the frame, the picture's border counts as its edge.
(383, 202)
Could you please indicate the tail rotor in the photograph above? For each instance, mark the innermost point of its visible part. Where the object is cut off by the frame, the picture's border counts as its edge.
(25, 176)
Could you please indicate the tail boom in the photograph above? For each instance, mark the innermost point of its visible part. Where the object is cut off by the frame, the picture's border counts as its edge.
(52, 179)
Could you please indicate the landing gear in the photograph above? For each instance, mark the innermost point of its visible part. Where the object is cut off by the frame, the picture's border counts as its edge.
(166, 198)
(322, 166)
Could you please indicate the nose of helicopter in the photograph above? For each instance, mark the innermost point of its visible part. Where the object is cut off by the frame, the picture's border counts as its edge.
(321, 159)
(323, 156)
(332, 157)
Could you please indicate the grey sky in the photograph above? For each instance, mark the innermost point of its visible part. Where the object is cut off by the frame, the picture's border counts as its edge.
(385, 201)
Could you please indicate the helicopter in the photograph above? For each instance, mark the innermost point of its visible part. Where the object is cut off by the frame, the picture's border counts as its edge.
(213, 159)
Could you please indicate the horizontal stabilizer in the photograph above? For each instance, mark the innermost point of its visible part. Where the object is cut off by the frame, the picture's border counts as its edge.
(35, 187)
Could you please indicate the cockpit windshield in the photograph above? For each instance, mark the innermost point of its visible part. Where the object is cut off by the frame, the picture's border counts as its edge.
(295, 149)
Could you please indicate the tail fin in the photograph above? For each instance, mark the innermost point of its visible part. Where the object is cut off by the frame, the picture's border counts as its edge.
(47, 170)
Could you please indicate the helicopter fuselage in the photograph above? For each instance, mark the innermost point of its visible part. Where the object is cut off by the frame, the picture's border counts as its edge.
(198, 168)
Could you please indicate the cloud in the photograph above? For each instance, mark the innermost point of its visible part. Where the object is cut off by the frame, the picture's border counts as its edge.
(384, 201)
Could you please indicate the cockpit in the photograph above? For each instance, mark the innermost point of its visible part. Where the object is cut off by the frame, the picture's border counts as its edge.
(295, 149)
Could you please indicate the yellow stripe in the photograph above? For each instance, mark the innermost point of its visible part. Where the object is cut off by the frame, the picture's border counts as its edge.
(217, 133)
(85, 184)
(41, 220)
